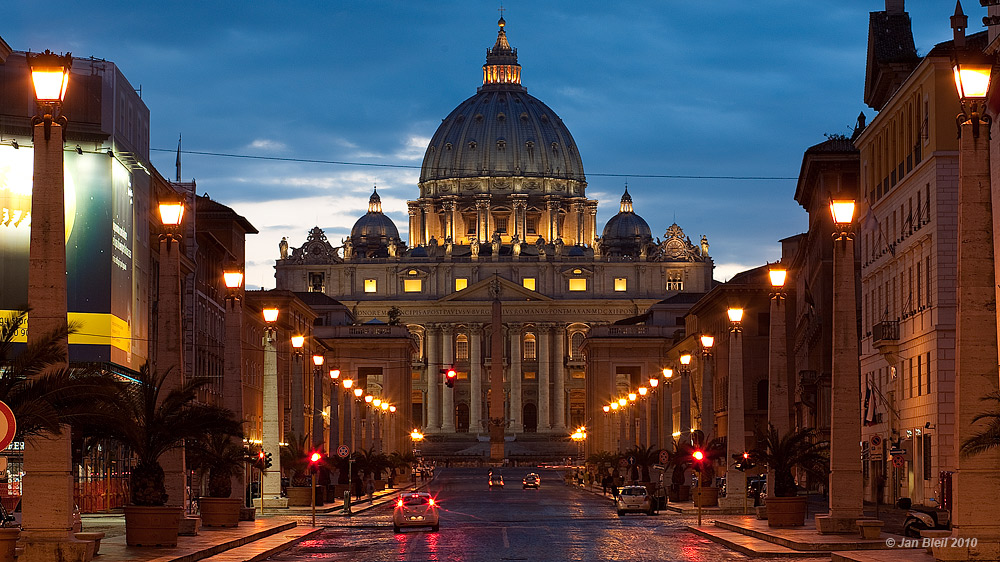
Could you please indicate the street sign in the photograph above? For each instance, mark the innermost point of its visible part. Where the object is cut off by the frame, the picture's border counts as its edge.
(631, 460)
(343, 451)
(622, 462)
(875, 454)
(875, 440)
(664, 457)
(8, 426)
(898, 460)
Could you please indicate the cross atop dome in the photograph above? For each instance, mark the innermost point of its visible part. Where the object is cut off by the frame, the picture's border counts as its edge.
(501, 66)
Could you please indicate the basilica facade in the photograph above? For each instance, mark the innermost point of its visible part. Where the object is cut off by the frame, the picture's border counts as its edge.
(501, 195)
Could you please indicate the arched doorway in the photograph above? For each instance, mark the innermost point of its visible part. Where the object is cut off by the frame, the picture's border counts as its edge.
(462, 418)
(530, 418)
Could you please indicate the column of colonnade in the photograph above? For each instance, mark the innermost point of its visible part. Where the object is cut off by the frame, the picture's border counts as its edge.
(476, 378)
(433, 352)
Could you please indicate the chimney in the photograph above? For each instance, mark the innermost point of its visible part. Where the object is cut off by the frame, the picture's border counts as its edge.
(959, 22)
(894, 7)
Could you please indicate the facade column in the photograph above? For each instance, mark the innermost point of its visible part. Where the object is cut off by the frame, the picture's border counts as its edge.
(684, 403)
(544, 378)
(516, 376)
(170, 357)
(413, 209)
(333, 433)
(297, 398)
(482, 218)
(476, 378)
(432, 349)
(447, 394)
(449, 206)
(559, 388)
(519, 202)
(708, 391)
(777, 373)
(232, 380)
(428, 214)
(590, 230)
(736, 480)
(667, 417)
(318, 435)
(552, 208)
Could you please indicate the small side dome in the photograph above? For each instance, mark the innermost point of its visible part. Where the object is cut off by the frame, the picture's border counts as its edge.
(626, 233)
(372, 232)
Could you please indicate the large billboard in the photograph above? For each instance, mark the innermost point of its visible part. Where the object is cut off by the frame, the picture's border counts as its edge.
(100, 228)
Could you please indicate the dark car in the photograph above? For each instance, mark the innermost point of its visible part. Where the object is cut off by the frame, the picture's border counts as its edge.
(496, 480)
(531, 481)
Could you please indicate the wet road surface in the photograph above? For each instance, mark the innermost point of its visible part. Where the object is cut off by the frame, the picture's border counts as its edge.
(554, 523)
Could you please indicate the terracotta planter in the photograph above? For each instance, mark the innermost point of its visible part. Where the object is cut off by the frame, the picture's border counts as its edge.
(8, 542)
(705, 496)
(220, 512)
(786, 512)
(151, 526)
(298, 496)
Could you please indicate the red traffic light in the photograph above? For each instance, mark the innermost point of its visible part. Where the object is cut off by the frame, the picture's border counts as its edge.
(315, 457)
(260, 455)
(746, 455)
(698, 455)
(451, 374)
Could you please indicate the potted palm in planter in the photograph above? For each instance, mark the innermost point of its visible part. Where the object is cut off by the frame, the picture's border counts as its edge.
(295, 460)
(679, 490)
(222, 457)
(149, 421)
(41, 394)
(710, 450)
(782, 454)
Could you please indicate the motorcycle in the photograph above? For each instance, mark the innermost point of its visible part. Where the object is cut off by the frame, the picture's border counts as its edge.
(921, 517)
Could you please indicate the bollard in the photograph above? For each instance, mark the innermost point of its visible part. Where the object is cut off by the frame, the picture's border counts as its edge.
(347, 502)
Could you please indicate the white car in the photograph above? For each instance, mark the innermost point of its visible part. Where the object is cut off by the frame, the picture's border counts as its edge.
(415, 509)
(634, 498)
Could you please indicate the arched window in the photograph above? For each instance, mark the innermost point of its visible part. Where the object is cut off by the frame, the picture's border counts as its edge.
(576, 341)
(461, 347)
(530, 352)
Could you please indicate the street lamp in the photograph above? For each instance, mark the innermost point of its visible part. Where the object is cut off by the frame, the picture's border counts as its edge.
(271, 492)
(668, 373)
(846, 484)
(736, 480)
(45, 510)
(232, 380)
(976, 326)
(778, 411)
(415, 437)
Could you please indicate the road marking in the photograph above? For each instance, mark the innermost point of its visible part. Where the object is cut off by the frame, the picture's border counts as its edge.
(506, 543)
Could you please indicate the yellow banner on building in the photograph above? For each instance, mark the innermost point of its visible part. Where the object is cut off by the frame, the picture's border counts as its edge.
(91, 329)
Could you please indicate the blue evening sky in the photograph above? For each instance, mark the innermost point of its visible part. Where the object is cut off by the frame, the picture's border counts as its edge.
(729, 88)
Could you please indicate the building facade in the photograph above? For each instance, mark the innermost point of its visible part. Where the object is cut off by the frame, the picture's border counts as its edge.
(502, 193)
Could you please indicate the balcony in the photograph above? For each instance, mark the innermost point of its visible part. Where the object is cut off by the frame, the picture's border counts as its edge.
(885, 332)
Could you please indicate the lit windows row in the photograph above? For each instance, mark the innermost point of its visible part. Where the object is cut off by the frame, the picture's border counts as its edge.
(576, 284)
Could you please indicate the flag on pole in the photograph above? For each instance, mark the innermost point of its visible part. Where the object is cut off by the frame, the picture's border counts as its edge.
(869, 404)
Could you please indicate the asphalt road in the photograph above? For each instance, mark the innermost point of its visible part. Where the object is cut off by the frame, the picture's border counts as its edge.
(557, 522)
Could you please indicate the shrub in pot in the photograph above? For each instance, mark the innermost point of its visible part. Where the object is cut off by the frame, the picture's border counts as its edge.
(149, 421)
(295, 462)
(221, 457)
(782, 454)
(705, 495)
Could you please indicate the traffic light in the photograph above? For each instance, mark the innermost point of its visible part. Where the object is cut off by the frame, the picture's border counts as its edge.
(315, 457)
(698, 456)
(449, 377)
(743, 462)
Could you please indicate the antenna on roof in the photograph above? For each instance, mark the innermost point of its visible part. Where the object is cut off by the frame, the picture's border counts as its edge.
(178, 164)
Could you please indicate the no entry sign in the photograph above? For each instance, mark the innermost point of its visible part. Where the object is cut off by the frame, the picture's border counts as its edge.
(8, 426)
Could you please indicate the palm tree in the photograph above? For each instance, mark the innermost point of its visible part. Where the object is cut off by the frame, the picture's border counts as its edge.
(711, 449)
(295, 459)
(989, 437)
(38, 388)
(221, 456)
(783, 453)
(149, 421)
(602, 460)
(644, 458)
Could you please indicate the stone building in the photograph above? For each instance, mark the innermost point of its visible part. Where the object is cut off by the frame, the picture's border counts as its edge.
(502, 192)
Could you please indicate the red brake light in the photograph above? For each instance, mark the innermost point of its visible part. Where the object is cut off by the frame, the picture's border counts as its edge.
(399, 503)
(432, 502)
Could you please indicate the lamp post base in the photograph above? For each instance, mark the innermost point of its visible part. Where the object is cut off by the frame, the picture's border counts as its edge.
(830, 524)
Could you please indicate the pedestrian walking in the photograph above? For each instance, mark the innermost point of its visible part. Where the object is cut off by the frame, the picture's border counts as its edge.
(370, 489)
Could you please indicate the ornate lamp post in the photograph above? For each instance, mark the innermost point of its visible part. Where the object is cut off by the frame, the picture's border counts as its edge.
(271, 487)
(975, 476)
(777, 392)
(685, 391)
(707, 384)
(317, 400)
(298, 396)
(845, 433)
(48, 483)
(415, 437)
(736, 481)
(232, 379)
(348, 413)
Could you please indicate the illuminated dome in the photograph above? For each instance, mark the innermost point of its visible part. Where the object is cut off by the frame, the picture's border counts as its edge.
(374, 231)
(502, 131)
(626, 233)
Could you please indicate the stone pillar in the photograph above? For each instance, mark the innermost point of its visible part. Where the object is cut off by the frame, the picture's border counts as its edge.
(447, 394)
(736, 480)
(544, 377)
(975, 479)
(476, 378)
(685, 402)
(449, 206)
(432, 348)
(590, 230)
(297, 398)
(708, 391)
(516, 376)
(318, 433)
(482, 218)
(333, 435)
(271, 486)
(777, 374)
(428, 215)
(559, 388)
(552, 209)
(667, 417)
(846, 488)
(48, 481)
(170, 357)
(519, 202)
(232, 379)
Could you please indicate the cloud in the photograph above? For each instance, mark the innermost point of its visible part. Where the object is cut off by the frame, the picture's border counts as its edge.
(267, 144)
(725, 271)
